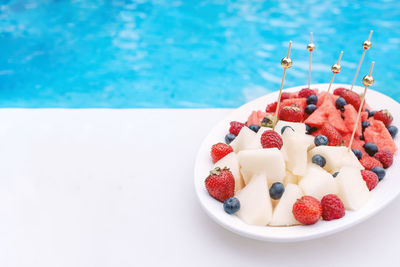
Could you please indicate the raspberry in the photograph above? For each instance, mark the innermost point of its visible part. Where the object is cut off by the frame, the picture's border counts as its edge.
(236, 127)
(271, 107)
(270, 139)
(385, 157)
(370, 178)
(220, 150)
(307, 210)
(384, 116)
(305, 92)
(291, 113)
(285, 95)
(332, 207)
(369, 162)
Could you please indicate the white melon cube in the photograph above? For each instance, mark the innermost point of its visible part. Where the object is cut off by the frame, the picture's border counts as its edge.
(353, 190)
(297, 126)
(309, 139)
(290, 178)
(336, 157)
(231, 161)
(244, 140)
(267, 160)
(255, 202)
(295, 148)
(256, 143)
(317, 182)
(283, 215)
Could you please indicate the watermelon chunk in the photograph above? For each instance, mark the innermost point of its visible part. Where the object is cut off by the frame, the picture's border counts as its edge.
(321, 97)
(327, 113)
(364, 116)
(256, 117)
(357, 143)
(350, 117)
(378, 134)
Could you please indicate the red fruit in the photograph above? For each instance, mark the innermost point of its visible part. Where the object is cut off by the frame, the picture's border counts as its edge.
(384, 116)
(220, 150)
(327, 112)
(220, 184)
(357, 143)
(338, 91)
(285, 95)
(350, 117)
(293, 114)
(305, 92)
(236, 127)
(321, 98)
(385, 157)
(334, 137)
(332, 207)
(351, 98)
(370, 178)
(255, 118)
(307, 210)
(271, 107)
(369, 162)
(300, 102)
(271, 139)
(378, 134)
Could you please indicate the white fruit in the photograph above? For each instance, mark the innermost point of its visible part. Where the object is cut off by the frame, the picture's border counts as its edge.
(267, 160)
(290, 178)
(244, 139)
(317, 182)
(231, 161)
(295, 149)
(256, 143)
(336, 157)
(283, 215)
(297, 126)
(255, 203)
(246, 175)
(353, 190)
(309, 139)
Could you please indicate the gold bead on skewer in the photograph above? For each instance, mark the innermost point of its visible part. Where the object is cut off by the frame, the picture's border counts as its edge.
(310, 47)
(336, 68)
(286, 62)
(367, 45)
(368, 80)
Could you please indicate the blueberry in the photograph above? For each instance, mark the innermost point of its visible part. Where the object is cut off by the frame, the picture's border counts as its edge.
(254, 127)
(229, 138)
(358, 153)
(340, 103)
(321, 140)
(367, 110)
(370, 148)
(285, 127)
(276, 190)
(310, 129)
(335, 174)
(364, 124)
(310, 108)
(371, 114)
(231, 205)
(379, 171)
(312, 99)
(319, 160)
(392, 130)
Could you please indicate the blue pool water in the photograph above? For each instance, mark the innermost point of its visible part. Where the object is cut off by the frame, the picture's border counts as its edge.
(176, 53)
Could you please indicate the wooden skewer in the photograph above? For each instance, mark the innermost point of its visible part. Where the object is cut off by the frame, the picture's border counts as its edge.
(368, 80)
(310, 47)
(286, 63)
(335, 69)
(366, 46)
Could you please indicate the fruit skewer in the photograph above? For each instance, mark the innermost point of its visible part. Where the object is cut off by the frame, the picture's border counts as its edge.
(366, 46)
(310, 48)
(286, 63)
(336, 68)
(367, 81)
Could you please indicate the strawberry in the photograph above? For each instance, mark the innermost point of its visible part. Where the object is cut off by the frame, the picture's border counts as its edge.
(220, 150)
(384, 116)
(305, 92)
(369, 162)
(370, 178)
(332, 207)
(271, 107)
(351, 98)
(338, 91)
(285, 95)
(270, 139)
(236, 127)
(220, 184)
(334, 137)
(291, 113)
(307, 210)
(385, 157)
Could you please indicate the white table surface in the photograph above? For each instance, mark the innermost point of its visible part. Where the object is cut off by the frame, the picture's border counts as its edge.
(115, 188)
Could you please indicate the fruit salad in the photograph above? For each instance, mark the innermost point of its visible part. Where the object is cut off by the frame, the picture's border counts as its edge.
(302, 171)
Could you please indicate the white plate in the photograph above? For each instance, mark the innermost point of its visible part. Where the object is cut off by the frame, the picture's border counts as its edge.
(384, 193)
